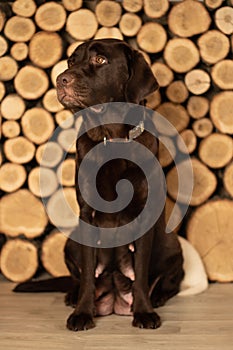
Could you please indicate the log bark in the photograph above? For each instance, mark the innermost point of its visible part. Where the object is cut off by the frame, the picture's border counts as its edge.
(19, 150)
(52, 254)
(213, 46)
(10, 129)
(162, 73)
(176, 114)
(188, 18)
(31, 82)
(156, 9)
(189, 139)
(203, 127)
(50, 16)
(216, 150)
(210, 231)
(12, 107)
(198, 106)
(197, 81)
(66, 172)
(181, 55)
(24, 8)
(37, 125)
(19, 260)
(108, 13)
(42, 182)
(132, 6)
(19, 29)
(222, 74)
(12, 177)
(45, 49)
(22, 213)
(19, 51)
(50, 101)
(221, 111)
(82, 24)
(49, 154)
(64, 119)
(130, 24)
(205, 183)
(177, 92)
(228, 179)
(63, 208)
(8, 68)
(224, 19)
(152, 37)
(67, 139)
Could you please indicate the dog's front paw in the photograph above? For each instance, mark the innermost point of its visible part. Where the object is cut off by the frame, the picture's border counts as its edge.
(146, 320)
(80, 322)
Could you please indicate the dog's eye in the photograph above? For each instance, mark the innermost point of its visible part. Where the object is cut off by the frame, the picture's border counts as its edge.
(101, 60)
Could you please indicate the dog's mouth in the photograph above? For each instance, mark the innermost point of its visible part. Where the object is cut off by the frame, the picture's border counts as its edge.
(67, 99)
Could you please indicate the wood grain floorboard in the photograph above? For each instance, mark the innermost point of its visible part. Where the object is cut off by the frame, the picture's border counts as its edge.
(37, 322)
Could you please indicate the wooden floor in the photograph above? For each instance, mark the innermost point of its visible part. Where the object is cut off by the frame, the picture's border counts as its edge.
(37, 321)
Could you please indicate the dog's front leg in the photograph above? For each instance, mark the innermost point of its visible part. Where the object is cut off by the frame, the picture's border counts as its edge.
(82, 317)
(143, 313)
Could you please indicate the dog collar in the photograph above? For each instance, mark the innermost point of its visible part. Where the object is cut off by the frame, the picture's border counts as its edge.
(133, 134)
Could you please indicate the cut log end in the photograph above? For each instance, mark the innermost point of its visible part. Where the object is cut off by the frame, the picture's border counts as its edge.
(197, 106)
(52, 254)
(182, 19)
(28, 212)
(228, 179)
(204, 183)
(203, 127)
(221, 111)
(108, 13)
(181, 55)
(18, 260)
(12, 177)
(50, 16)
(210, 231)
(82, 24)
(216, 150)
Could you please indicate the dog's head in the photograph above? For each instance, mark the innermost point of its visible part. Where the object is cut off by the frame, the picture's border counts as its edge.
(102, 71)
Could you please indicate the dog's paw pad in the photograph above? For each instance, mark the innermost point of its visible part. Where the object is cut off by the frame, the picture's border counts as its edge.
(80, 322)
(146, 320)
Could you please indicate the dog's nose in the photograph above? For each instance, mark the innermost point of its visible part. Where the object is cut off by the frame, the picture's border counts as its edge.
(64, 79)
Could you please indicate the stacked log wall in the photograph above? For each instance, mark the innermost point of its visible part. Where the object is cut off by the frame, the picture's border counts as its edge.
(189, 45)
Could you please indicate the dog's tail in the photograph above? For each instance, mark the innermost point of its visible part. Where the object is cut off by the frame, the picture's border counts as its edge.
(58, 284)
(195, 279)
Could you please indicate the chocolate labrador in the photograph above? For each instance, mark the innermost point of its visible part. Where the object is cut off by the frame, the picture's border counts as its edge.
(144, 272)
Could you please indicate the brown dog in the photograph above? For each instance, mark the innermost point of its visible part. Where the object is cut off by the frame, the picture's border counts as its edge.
(123, 278)
(99, 72)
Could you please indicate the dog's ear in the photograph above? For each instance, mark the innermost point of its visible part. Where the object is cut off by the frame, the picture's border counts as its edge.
(142, 81)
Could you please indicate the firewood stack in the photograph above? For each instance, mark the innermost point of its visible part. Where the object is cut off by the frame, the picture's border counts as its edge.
(189, 46)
